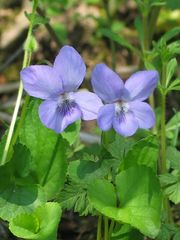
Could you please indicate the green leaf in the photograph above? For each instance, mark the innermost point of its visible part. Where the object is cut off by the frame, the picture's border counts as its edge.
(139, 27)
(173, 192)
(177, 236)
(119, 39)
(120, 147)
(140, 198)
(170, 70)
(173, 4)
(144, 152)
(171, 33)
(171, 184)
(37, 19)
(173, 155)
(158, 3)
(173, 125)
(74, 197)
(21, 161)
(16, 199)
(139, 194)
(167, 231)
(27, 224)
(103, 196)
(41, 224)
(175, 85)
(48, 151)
(125, 232)
(174, 48)
(71, 133)
(87, 171)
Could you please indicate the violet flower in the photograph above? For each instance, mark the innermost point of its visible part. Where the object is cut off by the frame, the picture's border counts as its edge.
(58, 86)
(124, 109)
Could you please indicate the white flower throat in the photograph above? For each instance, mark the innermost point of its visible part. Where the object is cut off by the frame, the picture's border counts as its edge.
(66, 103)
(121, 107)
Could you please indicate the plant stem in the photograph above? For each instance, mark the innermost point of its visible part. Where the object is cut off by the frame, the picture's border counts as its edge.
(26, 61)
(99, 228)
(106, 229)
(163, 168)
(163, 165)
(111, 228)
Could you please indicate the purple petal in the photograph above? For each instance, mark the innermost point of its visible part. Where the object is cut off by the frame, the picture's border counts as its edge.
(89, 104)
(141, 85)
(53, 117)
(41, 81)
(106, 83)
(143, 113)
(105, 117)
(125, 124)
(71, 68)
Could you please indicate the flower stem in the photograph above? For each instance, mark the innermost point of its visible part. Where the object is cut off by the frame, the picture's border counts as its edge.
(99, 228)
(106, 229)
(163, 168)
(162, 164)
(111, 228)
(26, 62)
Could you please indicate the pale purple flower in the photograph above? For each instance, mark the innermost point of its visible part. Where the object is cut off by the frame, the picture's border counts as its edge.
(124, 109)
(58, 86)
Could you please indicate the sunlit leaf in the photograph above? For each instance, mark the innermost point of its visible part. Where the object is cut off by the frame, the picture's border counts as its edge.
(41, 224)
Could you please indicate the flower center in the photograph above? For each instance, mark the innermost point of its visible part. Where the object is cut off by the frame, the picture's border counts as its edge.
(66, 103)
(121, 107)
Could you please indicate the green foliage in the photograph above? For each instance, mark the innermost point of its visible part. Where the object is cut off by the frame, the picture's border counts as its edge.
(87, 171)
(17, 198)
(41, 224)
(37, 19)
(168, 231)
(173, 155)
(119, 39)
(74, 197)
(16, 194)
(170, 70)
(71, 133)
(139, 194)
(139, 28)
(31, 44)
(21, 161)
(171, 184)
(173, 125)
(119, 147)
(48, 151)
(173, 4)
(103, 197)
(144, 152)
(170, 34)
(125, 232)
(171, 181)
